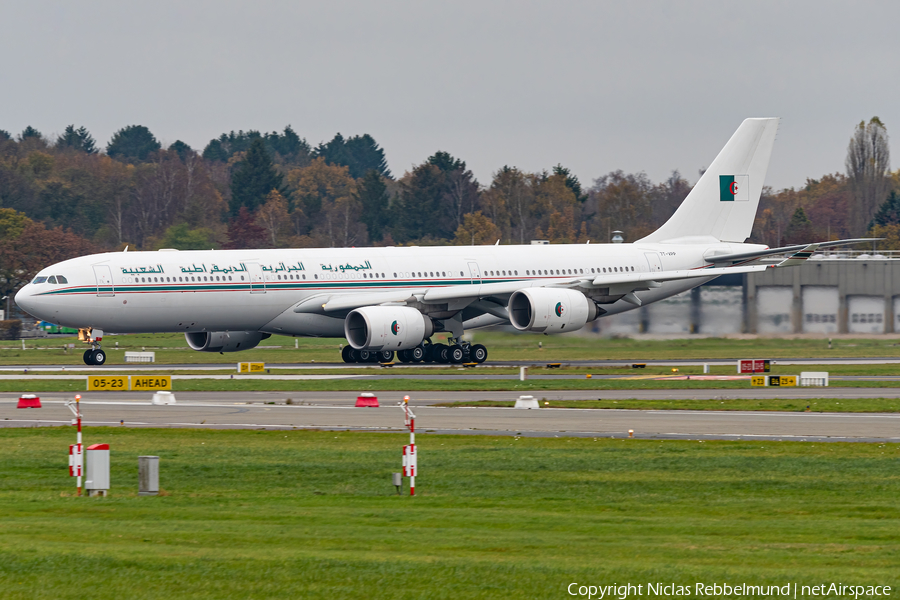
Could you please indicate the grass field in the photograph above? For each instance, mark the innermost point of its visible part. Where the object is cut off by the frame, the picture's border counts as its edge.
(252, 514)
(171, 349)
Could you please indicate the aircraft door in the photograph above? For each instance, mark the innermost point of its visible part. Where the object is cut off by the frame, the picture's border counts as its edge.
(103, 275)
(475, 272)
(653, 261)
(257, 281)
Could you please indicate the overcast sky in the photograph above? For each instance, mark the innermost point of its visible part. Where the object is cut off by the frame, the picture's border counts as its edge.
(596, 86)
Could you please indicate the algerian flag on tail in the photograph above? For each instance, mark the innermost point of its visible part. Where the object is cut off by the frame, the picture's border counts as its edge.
(734, 188)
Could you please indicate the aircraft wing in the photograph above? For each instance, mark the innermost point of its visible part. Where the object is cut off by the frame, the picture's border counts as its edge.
(617, 284)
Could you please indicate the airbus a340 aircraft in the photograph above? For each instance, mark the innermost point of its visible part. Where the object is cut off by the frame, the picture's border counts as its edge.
(386, 300)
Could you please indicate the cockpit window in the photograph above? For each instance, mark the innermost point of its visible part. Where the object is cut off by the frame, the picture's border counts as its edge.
(52, 279)
(61, 279)
(39, 280)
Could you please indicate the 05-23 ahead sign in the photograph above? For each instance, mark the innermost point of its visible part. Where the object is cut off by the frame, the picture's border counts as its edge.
(121, 383)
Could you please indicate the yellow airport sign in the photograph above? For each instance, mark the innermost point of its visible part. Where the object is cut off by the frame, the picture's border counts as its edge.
(151, 383)
(783, 380)
(251, 367)
(774, 380)
(107, 383)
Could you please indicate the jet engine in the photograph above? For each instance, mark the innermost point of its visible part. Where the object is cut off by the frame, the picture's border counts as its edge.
(386, 328)
(224, 341)
(550, 310)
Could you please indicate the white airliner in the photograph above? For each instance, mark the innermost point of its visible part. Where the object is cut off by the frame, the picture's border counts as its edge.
(386, 300)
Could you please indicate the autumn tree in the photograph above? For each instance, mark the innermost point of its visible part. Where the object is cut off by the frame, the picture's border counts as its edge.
(623, 202)
(274, 218)
(868, 168)
(181, 237)
(476, 229)
(76, 139)
(35, 247)
(243, 232)
(254, 178)
(132, 143)
(316, 189)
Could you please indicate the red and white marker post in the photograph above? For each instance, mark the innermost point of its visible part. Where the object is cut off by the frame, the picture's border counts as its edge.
(76, 451)
(410, 461)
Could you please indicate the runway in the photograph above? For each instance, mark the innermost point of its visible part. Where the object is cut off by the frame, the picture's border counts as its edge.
(608, 364)
(334, 411)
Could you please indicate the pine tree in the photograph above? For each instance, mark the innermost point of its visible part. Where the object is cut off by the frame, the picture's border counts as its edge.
(889, 211)
(134, 142)
(254, 178)
(181, 149)
(76, 139)
(372, 194)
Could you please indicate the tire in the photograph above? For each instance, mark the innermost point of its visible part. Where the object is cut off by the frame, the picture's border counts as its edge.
(87, 357)
(442, 354)
(98, 357)
(417, 354)
(456, 354)
(428, 353)
(364, 356)
(347, 354)
(385, 356)
(479, 353)
(403, 356)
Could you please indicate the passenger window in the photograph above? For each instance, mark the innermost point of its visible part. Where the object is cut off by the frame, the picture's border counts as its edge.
(461, 274)
(395, 275)
(304, 277)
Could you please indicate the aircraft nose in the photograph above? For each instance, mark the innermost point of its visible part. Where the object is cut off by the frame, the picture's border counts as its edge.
(25, 299)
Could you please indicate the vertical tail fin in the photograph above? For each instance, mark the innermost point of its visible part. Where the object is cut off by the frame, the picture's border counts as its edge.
(723, 203)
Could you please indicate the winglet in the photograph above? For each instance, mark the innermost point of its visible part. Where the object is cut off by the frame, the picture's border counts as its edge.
(798, 257)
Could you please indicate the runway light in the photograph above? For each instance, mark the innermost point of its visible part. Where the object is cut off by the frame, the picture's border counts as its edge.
(588, 376)
(546, 404)
(674, 370)
(631, 433)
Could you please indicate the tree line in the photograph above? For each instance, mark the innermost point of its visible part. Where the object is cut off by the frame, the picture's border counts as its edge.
(274, 189)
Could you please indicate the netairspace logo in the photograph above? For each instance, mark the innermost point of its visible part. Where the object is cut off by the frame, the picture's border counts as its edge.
(724, 590)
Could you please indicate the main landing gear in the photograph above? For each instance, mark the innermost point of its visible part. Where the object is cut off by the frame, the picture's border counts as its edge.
(456, 352)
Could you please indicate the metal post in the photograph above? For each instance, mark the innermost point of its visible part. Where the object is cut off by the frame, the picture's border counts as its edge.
(76, 453)
(410, 460)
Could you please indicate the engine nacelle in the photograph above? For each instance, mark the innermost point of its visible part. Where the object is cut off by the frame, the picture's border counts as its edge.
(386, 328)
(550, 310)
(224, 341)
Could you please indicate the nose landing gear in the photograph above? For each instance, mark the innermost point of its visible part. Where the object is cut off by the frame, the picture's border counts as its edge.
(95, 356)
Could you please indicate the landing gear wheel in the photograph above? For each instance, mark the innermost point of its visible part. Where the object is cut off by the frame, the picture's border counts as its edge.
(441, 353)
(364, 356)
(385, 356)
(479, 353)
(417, 354)
(457, 354)
(428, 350)
(87, 357)
(98, 357)
(403, 356)
(347, 354)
